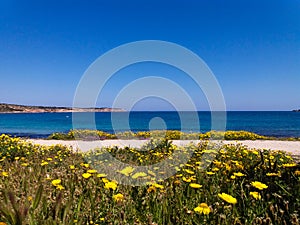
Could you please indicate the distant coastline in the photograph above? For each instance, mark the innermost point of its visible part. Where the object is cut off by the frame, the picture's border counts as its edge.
(296, 110)
(14, 108)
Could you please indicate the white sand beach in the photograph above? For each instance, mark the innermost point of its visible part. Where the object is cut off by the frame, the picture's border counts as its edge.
(292, 147)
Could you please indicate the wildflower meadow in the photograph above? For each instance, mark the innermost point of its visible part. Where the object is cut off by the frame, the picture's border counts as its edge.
(59, 185)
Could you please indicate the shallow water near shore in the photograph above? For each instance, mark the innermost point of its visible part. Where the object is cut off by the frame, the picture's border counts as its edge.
(38, 125)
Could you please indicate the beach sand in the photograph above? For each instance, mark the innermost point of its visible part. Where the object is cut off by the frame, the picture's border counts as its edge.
(292, 147)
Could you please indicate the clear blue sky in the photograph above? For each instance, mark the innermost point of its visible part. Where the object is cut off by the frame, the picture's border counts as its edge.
(253, 48)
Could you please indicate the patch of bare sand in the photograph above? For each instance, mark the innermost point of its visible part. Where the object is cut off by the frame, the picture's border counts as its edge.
(292, 147)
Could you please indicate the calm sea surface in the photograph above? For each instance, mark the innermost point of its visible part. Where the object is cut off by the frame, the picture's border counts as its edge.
(279, 124)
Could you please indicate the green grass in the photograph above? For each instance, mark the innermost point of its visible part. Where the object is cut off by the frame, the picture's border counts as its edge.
(81, 195)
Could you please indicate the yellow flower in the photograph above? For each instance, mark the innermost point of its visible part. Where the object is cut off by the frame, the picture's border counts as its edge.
(297, 172)
(56, 182)
(111, 185)
(86, 175)
(24, 164)
(215, 169)
(139, 174)
(151, 188)
(202, 208)
(92, 171)
(255, 152)
(222, 151)
(217, 163)
(232, 177)
(158, 186)
(255, 195)
(210, 173)
(259, 185)
(44, 163)
(189, 171)
(49, 159)
(194, 185)
(228, 167)
(239, 166)
(228, 198)
(105, 180)
(118, 197)
(4, 174)
(86, 165)
(245, 152)
(289, 165)
(100, 175)
(188, 180)
(72, 167)
(60, 187)
(273, 174)
(127, 171)
(239, 174)
(177, 182)
(288, 157)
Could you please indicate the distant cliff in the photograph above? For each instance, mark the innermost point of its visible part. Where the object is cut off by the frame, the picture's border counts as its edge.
(296, 110)
(12, 108)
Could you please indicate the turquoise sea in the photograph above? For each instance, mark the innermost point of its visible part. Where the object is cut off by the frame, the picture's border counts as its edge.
(278, 124)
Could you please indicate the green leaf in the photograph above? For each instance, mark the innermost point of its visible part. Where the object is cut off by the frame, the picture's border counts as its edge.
(37, 198)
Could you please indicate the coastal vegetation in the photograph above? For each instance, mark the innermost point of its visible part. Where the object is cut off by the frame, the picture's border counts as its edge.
(168, 134)
(56, 185)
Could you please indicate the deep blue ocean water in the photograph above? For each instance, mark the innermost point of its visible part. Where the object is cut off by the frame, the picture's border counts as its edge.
(278, 124)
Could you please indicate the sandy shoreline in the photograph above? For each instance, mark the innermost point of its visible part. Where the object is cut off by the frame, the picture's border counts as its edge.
(292, 147)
